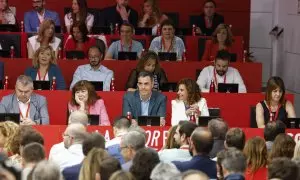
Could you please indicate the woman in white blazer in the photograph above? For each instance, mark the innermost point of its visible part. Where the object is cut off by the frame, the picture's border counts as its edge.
(188, 102)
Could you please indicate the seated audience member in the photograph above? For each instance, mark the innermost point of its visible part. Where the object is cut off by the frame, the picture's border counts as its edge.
(6, 14)
(201, 143)
(93, 140)
(182, 138)
(8, 130)
(73, 138)
(86, 99)
(194, 174)
(79, 40)
(209, 19)
(121, 175)
(120, 128)
(275, 106)
(46, 170)
(271, 130)
(235, 138)
(218, 128)
(79, 12)
(107, 167)
(119, 14)
(130, 144)
(151, 16)
(283, 169)
(94, 71)
(297, 151)
(220, 73)
(138, 103)
(222, 39)
(32, 154)
(35, 17)
(256, 155)
(125, 44)
(220, 158)
(31, 106)
(46, 37)
(188, 102)
(168, 42)
(44, 67)
(234, 165)
(149, 62)
(283, 146)
(164, 171)
(170, 142)
(143, 163)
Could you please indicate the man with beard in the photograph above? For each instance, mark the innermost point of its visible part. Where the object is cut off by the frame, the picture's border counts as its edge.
(220, 73)
(94, 71)
(33, 18)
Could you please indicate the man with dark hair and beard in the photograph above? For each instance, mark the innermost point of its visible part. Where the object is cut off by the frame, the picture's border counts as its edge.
(220, 73)
(94, 71)
(33, 18)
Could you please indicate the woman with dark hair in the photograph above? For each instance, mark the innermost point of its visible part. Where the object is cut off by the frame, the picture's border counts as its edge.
(275, 106)
(284, 146)
(255, 151)
(143, 163)
(6, 15)
(188, 102)
(79, 40)
(85, 98)
(148, 62)
(79, 14)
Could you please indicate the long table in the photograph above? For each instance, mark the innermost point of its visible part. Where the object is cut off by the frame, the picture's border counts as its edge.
(235, 108)
(250, 72)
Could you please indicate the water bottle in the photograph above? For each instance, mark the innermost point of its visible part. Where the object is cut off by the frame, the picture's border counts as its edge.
(6, 83)
(212, 87)
(112, 84)
(53, 85)
(194, 30)
(129, 116)
(12, 52)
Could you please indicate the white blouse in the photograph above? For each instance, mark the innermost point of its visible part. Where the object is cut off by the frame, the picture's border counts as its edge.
(36, 45)
(89, 19)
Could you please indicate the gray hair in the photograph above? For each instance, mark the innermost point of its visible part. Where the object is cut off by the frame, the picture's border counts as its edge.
(164, 171)
(234, 161)
(78, 117)
(78, 132)
(134, 140)
(196, 172)
(46, 170)
(218, 127)
(25, 80)
(138, 129)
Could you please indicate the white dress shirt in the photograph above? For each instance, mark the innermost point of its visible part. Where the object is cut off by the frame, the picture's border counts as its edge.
(169, 155)
(232, 76)
(178, 110)
(24, 108)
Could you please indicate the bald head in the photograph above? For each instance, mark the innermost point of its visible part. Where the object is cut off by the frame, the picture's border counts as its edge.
(202, 141)
(78, 117)
(74, 134)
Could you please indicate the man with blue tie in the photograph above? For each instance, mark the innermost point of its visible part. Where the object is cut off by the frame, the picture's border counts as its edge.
(33, 18)
(145, 101)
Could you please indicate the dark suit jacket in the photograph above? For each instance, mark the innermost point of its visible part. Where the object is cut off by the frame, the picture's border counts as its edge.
(53, 71)
(132, 103)
(201, 163)
(217, 19)
(110, 15)
(217, 147)
(72, 172)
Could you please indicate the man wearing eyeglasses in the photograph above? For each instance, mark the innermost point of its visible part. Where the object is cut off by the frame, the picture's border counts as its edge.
(33, 18)
(94, 71)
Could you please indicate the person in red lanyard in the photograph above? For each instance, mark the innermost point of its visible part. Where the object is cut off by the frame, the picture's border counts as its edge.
(220, 72)
(208, 20)
(275, 106)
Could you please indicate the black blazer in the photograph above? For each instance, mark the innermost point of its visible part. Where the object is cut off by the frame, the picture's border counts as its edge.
(217, 19)
(110, 15)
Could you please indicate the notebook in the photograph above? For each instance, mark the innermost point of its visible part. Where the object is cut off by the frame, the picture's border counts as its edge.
(41, 85)
(14, 117)
(203, 120)
(75, 55)
(148, 120)
(98, 85)
(228, 88)
(168, 87)
(166, 56)
(122, 55)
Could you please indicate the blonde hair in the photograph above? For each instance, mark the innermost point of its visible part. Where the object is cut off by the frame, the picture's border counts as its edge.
(91, 164)
(297, 151)
(8, 130)
(43, 27)
(35, 59)
(229, 38)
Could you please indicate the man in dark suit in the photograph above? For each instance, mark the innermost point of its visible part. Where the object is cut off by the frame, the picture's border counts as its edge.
(145, 101)
(218, 127)
(200, 146)
(120, 13)
(209, 19)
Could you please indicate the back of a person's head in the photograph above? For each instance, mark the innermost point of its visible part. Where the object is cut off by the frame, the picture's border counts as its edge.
(93, 140)
(234, 162)
(194, 174)
(108, 166)
(138, 129)
(220, 158)
(202, 140)
(235, 137)
(272, 129)
(283, 168)
(78, 132)
(283, 146)
(121, 175)
(46, 170)
(187, 128)
(78, 117)
(33, 153)
(164, 171)
(143, 163)
(134, 139)
(122, 123)
(218, 127)
(170, 141)
(30, 136)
